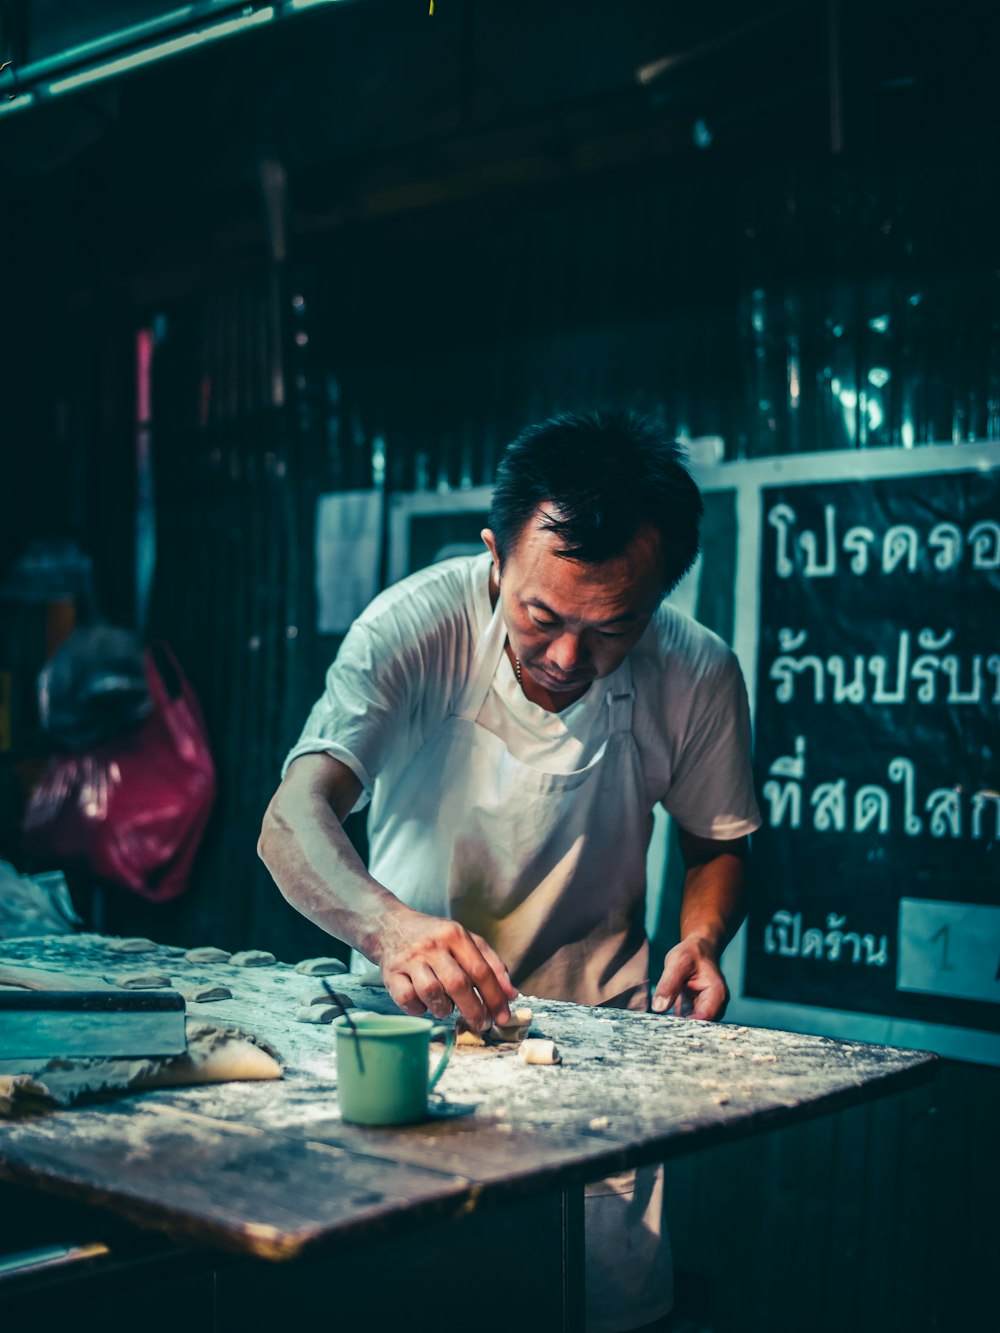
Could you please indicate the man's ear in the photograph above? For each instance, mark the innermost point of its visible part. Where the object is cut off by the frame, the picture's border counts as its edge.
(490, 539)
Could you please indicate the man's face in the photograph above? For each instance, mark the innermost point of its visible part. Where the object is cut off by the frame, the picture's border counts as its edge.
(571, 622)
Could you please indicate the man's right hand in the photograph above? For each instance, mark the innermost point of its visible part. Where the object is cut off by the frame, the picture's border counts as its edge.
(431, 963)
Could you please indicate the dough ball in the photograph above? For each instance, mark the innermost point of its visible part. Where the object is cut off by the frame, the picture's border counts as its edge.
(131, 946)
(538, 1051)
(253, 958)
(205, 994)
(320, 967)
(207, 954)
(317, 1013)
(142, 981)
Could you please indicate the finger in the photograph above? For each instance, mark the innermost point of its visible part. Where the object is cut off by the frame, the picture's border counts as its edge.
(400, 987)
(430, 990)
(667, 994)
(461, 990)
(710, 1003)
(476, 965)
(497, 964)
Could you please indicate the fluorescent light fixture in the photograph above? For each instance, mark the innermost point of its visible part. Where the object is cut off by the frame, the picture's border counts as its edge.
(16, 103)
(148, 54)
(307, 4)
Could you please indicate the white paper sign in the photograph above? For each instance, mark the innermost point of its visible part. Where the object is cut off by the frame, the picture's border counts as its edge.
(949, 948)
(348, 549)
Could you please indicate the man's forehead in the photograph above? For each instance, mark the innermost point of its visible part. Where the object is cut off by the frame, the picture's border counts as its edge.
(537, 538)
(627, 585)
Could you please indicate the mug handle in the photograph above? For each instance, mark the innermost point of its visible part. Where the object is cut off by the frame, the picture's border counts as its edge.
(449, 1043)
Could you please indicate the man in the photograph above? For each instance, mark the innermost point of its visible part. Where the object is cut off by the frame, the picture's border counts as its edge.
(513, 718)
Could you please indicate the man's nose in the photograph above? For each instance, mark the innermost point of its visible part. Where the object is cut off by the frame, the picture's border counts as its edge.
(566, 652)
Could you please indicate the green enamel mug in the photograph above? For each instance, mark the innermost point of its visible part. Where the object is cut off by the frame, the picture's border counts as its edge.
(383, 1075)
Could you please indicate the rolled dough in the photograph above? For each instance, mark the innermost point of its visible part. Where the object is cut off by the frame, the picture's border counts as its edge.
(317, 1013)
(253, 958)
(514, 1030)
(324, 997)
(320, 967)
(141, 981)
(204, 994)
(135, 945)
(466, 1037)
(538, 1051)
(207, 954)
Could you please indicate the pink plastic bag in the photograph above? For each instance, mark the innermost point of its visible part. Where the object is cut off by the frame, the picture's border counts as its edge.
(131, 810)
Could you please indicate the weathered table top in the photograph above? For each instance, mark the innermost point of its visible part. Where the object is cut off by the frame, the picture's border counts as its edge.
(270, 1169)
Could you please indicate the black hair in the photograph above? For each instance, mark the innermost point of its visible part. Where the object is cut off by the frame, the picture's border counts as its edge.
(601, 476)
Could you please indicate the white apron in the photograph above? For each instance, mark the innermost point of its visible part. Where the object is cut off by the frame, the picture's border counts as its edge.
(550, 868)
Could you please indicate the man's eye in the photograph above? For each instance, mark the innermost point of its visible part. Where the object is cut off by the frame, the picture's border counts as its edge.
(544, 624)
(610, 634)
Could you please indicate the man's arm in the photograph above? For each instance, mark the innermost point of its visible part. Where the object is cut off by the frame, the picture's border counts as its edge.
(712, 909)
(428, 963)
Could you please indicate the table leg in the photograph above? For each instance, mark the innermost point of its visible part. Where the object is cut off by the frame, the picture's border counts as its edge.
(573, 1260)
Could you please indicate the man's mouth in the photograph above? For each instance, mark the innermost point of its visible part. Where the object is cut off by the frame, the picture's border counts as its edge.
(560, 682)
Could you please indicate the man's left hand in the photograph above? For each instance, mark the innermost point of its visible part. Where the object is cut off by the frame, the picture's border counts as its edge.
(691, 983)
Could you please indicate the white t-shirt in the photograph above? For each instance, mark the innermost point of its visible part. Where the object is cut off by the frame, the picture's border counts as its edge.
(403, 664)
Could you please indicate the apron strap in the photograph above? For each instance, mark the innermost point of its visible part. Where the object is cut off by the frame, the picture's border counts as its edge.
(484, 664)
(621, 700)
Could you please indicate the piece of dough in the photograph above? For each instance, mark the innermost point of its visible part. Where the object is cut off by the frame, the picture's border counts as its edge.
(207, 954)
(142, 981)
(317, 1013)
(206, 993)
(320, 967)
(217, 1055)
(324, 997)
(466, 1037)
(253, 958)
(135, 945)
(516, 1029)
(538, 1051)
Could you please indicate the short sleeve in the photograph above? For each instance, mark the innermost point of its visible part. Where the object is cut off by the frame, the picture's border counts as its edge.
(711, 791)
(395, 677)
(364, 708)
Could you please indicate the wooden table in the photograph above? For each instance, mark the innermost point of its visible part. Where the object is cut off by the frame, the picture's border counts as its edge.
(269, 1170)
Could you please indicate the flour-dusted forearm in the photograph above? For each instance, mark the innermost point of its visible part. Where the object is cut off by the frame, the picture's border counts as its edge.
(712, 909)
(427, 962)
(304, 846)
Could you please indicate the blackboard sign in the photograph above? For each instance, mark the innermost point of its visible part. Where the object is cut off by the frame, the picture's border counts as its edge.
(875, 882)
